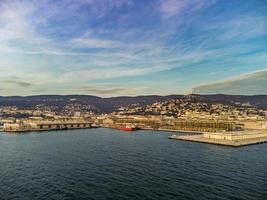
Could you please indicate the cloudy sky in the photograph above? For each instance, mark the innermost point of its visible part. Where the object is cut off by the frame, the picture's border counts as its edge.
(132, 47)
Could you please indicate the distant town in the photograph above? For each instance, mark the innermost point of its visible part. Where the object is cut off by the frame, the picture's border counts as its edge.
(189, 113)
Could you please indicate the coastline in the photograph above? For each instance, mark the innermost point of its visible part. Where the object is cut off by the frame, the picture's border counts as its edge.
(248, 137)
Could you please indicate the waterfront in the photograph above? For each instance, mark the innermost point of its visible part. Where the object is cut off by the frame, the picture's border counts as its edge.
(111, 164)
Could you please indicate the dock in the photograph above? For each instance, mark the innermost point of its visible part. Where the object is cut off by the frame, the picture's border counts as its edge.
(169, 130)
(236, 139)
(45, 126)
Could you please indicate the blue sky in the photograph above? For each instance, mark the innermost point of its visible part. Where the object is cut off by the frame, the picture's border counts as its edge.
(131, 47)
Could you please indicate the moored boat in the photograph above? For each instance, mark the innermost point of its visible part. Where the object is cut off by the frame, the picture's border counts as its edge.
(128, 128)
(95, 126)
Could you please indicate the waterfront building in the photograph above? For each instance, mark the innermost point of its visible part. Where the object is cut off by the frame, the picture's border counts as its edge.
(236, 136)
(16, 127)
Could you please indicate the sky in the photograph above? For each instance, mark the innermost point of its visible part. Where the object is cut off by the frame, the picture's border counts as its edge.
(133, 47)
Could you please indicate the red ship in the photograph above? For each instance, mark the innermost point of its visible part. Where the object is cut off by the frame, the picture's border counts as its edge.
(128, 128)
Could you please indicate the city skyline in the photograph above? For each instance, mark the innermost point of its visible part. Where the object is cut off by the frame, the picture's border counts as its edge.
(124, 47)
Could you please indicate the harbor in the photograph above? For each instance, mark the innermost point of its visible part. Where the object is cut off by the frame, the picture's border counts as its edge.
(226, 137)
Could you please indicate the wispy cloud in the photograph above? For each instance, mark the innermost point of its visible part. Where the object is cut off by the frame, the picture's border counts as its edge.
(18, 83)
(102, 73)
(248, 83)
(64, 43)
(107, 91)
(242, 28)
(89, 41)
(171, 8)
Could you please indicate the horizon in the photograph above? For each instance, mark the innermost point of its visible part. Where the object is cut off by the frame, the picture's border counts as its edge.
(120, 48)
(107, 97)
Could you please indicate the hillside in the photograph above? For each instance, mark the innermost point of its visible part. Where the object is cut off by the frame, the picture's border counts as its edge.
(105, 105)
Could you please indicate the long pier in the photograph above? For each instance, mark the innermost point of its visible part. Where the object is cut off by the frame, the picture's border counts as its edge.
(46, 126)
(234, 142)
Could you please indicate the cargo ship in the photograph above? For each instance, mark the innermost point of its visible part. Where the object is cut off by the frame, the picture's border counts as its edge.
(128, 128)
(96, 126)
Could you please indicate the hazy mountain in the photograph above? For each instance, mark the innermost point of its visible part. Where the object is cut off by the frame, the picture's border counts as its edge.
(112, 103)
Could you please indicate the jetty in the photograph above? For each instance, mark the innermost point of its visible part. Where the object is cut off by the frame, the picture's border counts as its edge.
(233, 139)
(45, 126)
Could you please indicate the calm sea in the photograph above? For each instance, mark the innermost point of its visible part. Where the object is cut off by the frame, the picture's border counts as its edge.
(110, 164)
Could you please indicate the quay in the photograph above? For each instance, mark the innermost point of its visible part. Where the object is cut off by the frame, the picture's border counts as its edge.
(233, 139)
(169, 130)
(45, 126)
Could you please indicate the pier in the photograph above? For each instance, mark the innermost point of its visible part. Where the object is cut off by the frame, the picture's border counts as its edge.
(233, 139)
(45, 126)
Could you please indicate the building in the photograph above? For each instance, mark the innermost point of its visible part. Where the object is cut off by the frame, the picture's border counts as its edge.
(16, 127)
(259, 125)
(236, 136)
